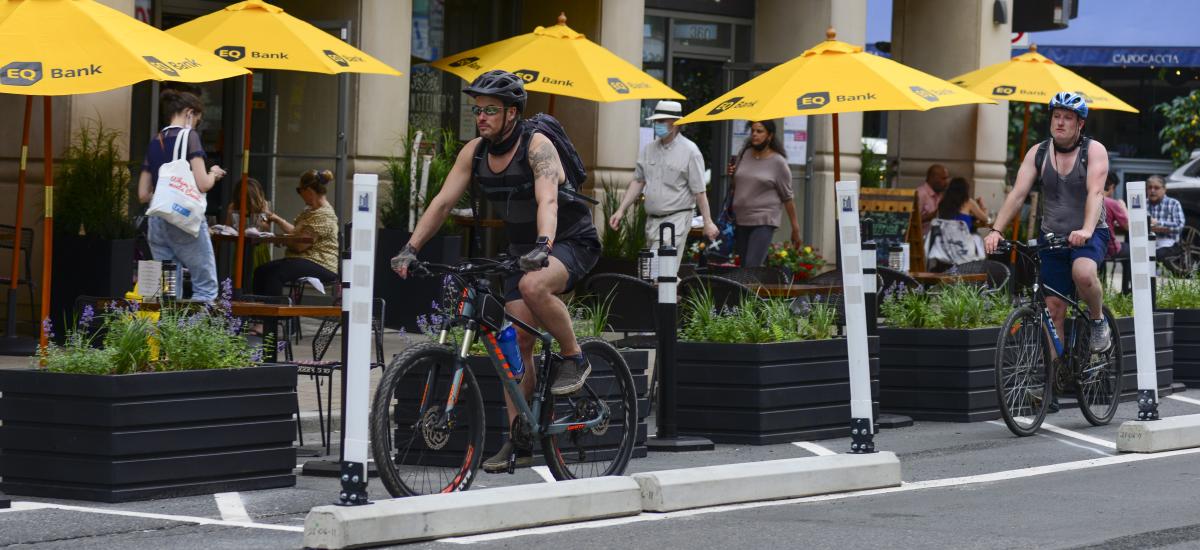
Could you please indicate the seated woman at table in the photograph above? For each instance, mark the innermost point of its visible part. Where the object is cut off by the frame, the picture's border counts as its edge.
(317, 221)
(957, 204)
(260, 211)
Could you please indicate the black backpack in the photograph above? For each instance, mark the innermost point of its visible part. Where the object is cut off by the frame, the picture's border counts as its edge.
(1039, 158)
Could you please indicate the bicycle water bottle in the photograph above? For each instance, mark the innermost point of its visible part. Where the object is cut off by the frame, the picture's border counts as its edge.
(508, 345)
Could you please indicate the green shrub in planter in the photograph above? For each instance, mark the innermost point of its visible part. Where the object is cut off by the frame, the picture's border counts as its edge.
(952, 306)
(756, 321)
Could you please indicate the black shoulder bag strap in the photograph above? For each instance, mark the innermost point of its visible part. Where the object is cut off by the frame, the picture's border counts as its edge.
(473, 192)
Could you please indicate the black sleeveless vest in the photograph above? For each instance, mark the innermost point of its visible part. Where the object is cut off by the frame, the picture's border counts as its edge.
(511, 193)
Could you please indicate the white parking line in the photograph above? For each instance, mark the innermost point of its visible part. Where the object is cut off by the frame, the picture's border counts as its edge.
(905, 487)
(1069, 433)
(20, 506)
(1184, 399)
(814, 448)
(232, 508)
(544, 473)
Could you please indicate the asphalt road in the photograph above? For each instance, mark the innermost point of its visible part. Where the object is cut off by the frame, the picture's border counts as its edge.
(966, 486)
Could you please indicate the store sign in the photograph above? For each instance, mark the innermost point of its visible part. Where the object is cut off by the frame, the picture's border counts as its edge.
(1107, 56)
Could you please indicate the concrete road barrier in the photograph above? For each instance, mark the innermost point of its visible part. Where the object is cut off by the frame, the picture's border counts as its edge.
(1155, 436)
(770, 480)
(471, 512)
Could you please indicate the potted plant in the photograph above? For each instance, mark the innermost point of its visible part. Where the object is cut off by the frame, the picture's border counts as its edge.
(136, 405)
(1121, 306)
(1181, 298)
(93, 236)
(619, 248)
(937, 352)
(396, 214)
(759, 374)
(799, 261)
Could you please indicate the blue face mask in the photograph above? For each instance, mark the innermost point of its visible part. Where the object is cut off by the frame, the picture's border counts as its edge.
(660, 129)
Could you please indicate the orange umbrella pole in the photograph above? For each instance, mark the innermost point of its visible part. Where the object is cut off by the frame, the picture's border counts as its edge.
(241, 241)
(48, 224)
(20, 196)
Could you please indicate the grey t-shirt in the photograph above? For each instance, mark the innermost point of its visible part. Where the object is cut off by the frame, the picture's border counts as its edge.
(1065, 197)
(761, 188)
(673, 174)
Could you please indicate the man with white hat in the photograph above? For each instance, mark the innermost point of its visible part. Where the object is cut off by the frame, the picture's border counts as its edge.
(670, 171)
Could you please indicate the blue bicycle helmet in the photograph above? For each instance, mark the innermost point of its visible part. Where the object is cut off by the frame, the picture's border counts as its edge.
(1070, 101)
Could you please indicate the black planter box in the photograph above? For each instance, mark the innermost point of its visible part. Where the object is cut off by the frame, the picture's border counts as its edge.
(1186, 331)
(146, 435)
(87, 266)
(1164, 356)
(496, 414)
(762, 394)
(945, 375)
(408, 298)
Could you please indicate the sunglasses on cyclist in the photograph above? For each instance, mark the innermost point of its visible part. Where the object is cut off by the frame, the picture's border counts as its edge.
(490, 110)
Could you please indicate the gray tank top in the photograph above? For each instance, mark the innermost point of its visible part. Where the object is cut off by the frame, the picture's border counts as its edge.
(1064, 198)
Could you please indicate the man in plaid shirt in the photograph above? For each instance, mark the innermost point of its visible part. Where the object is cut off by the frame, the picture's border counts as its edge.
(1166, 214)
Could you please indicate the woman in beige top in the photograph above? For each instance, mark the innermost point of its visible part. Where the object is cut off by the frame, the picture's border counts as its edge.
(318, 259)
(762, 184)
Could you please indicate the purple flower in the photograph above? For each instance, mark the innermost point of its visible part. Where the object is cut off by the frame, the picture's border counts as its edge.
(281, 346)
(256, 356)
(235, 326)
(433, 306)
(48, 328)
(89, 314)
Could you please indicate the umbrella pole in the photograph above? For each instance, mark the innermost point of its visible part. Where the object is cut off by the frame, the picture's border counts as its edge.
(11, 330)
(48, 223)
(1016, 224)
(837, 157)
(550, 109)
(239, 256)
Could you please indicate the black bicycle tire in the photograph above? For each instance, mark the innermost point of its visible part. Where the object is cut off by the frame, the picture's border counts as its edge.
(629, 410)
(1006, 330)
(1118, 355)
(469, 399)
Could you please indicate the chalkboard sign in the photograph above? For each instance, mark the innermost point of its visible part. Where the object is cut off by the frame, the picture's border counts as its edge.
(886, 229)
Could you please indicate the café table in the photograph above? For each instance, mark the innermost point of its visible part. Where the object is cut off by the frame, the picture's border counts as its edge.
(272, 313)
(220, 240)
(794, 290)
(928, 278)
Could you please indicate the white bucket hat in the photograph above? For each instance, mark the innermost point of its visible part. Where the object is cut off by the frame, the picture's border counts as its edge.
(666, 109)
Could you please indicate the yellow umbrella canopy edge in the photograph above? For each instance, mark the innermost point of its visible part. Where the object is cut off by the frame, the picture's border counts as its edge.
(76, 47)
(1034, 78)
(259, 35)
(558, 60)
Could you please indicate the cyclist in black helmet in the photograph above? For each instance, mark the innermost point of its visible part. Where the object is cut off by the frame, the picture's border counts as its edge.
(520, 173)
(1073, 205)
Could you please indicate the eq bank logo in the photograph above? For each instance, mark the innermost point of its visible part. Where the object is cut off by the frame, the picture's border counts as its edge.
(529, 76)
(21, 73)
(1004, 90)
(231, 53)
(925, 94)
(466, 62)
(162, 67)
(337, 58)
(732, 103)
(812, 100)
(618, 85)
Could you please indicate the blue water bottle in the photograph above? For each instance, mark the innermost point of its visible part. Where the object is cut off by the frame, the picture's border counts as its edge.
(508, 345)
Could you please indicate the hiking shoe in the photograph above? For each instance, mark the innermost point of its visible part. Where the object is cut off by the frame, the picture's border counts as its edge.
(1101, 336)
(498, 464)
(572, 373)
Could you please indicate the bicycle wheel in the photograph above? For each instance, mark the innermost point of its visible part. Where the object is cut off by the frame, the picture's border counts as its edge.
(1023, 371)
(605, 449)
(416, 450)
(1098, 375)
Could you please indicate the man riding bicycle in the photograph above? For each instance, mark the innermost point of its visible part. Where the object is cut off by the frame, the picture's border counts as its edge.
(522, 176)
(1072, 205)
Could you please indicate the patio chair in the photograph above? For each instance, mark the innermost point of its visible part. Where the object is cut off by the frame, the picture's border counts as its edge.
(889, 278)
(25, 277)
(629, 299)
(762, 275)
(725, 292)
(997, 274)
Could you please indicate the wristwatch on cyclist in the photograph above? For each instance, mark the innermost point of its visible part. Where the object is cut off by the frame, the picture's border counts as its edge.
(542, 240)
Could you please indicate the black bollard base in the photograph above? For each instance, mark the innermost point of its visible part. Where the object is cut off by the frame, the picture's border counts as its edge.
(1147, 406)
(862, 441)
(354, 485)
(678, 444)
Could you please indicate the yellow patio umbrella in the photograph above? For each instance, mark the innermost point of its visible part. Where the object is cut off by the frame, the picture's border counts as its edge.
(559, 61)
(258, 35)
(1034, 78)
(64, 47)
(833, 77)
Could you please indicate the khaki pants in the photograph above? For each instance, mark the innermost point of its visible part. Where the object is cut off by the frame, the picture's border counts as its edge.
(682, 222)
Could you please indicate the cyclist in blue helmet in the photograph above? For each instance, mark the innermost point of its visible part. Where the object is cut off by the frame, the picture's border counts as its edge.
(1072, 180)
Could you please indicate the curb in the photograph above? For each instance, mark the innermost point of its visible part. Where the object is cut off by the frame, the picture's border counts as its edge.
(1156, 436)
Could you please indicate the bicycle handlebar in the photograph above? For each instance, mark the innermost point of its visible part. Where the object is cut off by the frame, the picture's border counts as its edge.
(1052, 242)
(468, 268)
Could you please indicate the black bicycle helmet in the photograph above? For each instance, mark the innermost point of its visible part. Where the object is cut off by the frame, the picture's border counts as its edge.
(507, 87)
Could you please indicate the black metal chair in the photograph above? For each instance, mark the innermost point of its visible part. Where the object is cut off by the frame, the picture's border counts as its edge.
(997, 274)
(762, 275)
(26, 277)
(889, 278)
(833, 277)
(318, 367)
(629, 299)
(725, 292)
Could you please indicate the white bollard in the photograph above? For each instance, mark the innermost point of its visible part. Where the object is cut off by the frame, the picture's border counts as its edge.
(862, 429)
(1142, 270)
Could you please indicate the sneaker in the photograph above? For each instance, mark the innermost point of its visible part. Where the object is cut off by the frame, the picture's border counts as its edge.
(498, 464)
(1101, 336)
(572, 373)
(1054, 406)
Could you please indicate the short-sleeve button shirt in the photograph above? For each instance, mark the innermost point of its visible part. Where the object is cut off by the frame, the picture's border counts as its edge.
(673, 174)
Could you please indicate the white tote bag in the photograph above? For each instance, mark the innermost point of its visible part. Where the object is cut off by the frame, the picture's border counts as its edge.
(177, 199)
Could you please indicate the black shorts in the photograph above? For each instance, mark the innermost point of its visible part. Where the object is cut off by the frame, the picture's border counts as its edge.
(579, 255)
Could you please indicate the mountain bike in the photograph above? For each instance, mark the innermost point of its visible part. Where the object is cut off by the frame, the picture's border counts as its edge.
(1028, 375)
(427, 416)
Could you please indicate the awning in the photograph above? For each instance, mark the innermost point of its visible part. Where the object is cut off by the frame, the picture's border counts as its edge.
(1117, 56)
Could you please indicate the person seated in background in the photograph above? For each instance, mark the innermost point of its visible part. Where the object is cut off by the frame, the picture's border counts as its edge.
(318, 221)
(260, 212)
(1118, 222)
(1166, 216)
(957, 204)
(929, 194)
